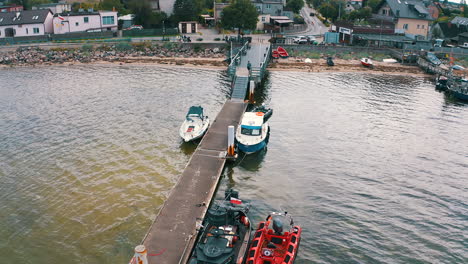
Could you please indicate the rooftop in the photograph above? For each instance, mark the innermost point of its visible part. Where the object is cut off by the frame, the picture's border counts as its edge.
(409, 9)
(460, 21)
(23, 17)
(252, 119)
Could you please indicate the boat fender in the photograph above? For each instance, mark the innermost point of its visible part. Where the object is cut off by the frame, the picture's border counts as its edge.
(267, 253)
(260, 113)
(245, 220)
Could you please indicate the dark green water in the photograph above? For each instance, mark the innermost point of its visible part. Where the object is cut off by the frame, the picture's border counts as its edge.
(373, 167)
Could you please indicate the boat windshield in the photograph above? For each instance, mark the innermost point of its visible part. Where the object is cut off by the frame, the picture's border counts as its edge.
(250, 131)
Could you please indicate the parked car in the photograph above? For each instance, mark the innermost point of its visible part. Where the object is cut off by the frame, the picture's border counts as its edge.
(301, 40)
(134, 27)
(312, 14)
(312, 40)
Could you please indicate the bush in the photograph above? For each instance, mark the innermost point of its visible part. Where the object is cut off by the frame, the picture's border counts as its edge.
(197, 47)
(199, 39)
(123, 46)
(87, 47)
(140, 46)
(169, 45)
(217, 39)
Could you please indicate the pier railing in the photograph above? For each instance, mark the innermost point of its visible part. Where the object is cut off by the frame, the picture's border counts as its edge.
(257, 73)
(236, 59)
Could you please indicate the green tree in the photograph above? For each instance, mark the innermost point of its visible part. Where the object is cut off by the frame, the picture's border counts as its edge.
(328, 11)
(295, 5)
(144, 15)
(465, 8)
(240, 14)
(185, 10)
(111, 4)
(373, 4)
(363, 13)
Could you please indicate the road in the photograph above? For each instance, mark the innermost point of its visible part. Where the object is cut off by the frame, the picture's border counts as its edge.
(314, 25)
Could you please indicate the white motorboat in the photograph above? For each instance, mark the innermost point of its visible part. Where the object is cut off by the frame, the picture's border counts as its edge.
(195, 124)
(252, 133)
(366, 62)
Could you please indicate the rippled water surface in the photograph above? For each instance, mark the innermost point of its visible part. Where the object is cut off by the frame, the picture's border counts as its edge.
(373, 167)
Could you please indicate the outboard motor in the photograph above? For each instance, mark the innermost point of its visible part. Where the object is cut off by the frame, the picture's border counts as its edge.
(278, 225)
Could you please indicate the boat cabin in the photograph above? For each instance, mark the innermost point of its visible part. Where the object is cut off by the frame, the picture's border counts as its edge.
(252, 124)
(195, 111)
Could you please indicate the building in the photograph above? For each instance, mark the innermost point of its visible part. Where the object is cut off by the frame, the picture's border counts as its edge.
(89, 21)
(54, 7)
(447, 31)
(188, 27)
(166, 6)
(127, 20)
(434, 10)
(460, 21)
(25, 23)
(218, 10)
(10, 8)
(410, 17)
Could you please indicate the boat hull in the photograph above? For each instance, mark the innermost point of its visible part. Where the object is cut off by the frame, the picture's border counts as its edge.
(366, 64)
(270, 247)
(249, 149)
(282, 52)
(198, 131)
(460, 96)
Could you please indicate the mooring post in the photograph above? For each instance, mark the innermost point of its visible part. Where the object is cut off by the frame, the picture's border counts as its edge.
(251, 91)
(231, 154)
(140, 255)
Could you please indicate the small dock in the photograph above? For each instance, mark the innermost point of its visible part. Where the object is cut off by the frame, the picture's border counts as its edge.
(172, 235)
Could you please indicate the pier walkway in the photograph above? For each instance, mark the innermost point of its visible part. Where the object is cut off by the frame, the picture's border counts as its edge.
(172, 235)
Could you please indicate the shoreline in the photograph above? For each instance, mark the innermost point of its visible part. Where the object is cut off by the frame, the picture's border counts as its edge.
(317, 66)
(175, 54)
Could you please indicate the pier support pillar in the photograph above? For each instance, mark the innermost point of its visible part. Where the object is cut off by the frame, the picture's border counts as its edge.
(140, 255)
(231, 154)
(251, 92)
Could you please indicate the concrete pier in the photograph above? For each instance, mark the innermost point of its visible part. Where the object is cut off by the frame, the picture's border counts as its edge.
(173, 232)
(172, 235)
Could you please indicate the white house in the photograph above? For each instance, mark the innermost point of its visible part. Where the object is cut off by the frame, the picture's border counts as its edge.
(262, 20)
(85, 22)
(54, 7)
(188, 27)
(26, 23)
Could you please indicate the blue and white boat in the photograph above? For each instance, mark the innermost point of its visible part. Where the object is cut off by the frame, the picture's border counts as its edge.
(252, 133)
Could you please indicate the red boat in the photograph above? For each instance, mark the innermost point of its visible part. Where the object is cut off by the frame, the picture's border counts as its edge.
(275, 54)
(282, 52)
(272, 245)
(367, 62)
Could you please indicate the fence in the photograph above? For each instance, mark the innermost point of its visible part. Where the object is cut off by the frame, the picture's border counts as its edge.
(57, 37)
(335, 49)
(150, 32)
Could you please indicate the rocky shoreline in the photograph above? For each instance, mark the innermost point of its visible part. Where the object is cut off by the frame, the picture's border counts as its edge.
(168, 53)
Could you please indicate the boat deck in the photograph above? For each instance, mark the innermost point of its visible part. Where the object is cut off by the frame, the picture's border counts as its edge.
(172, 235)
